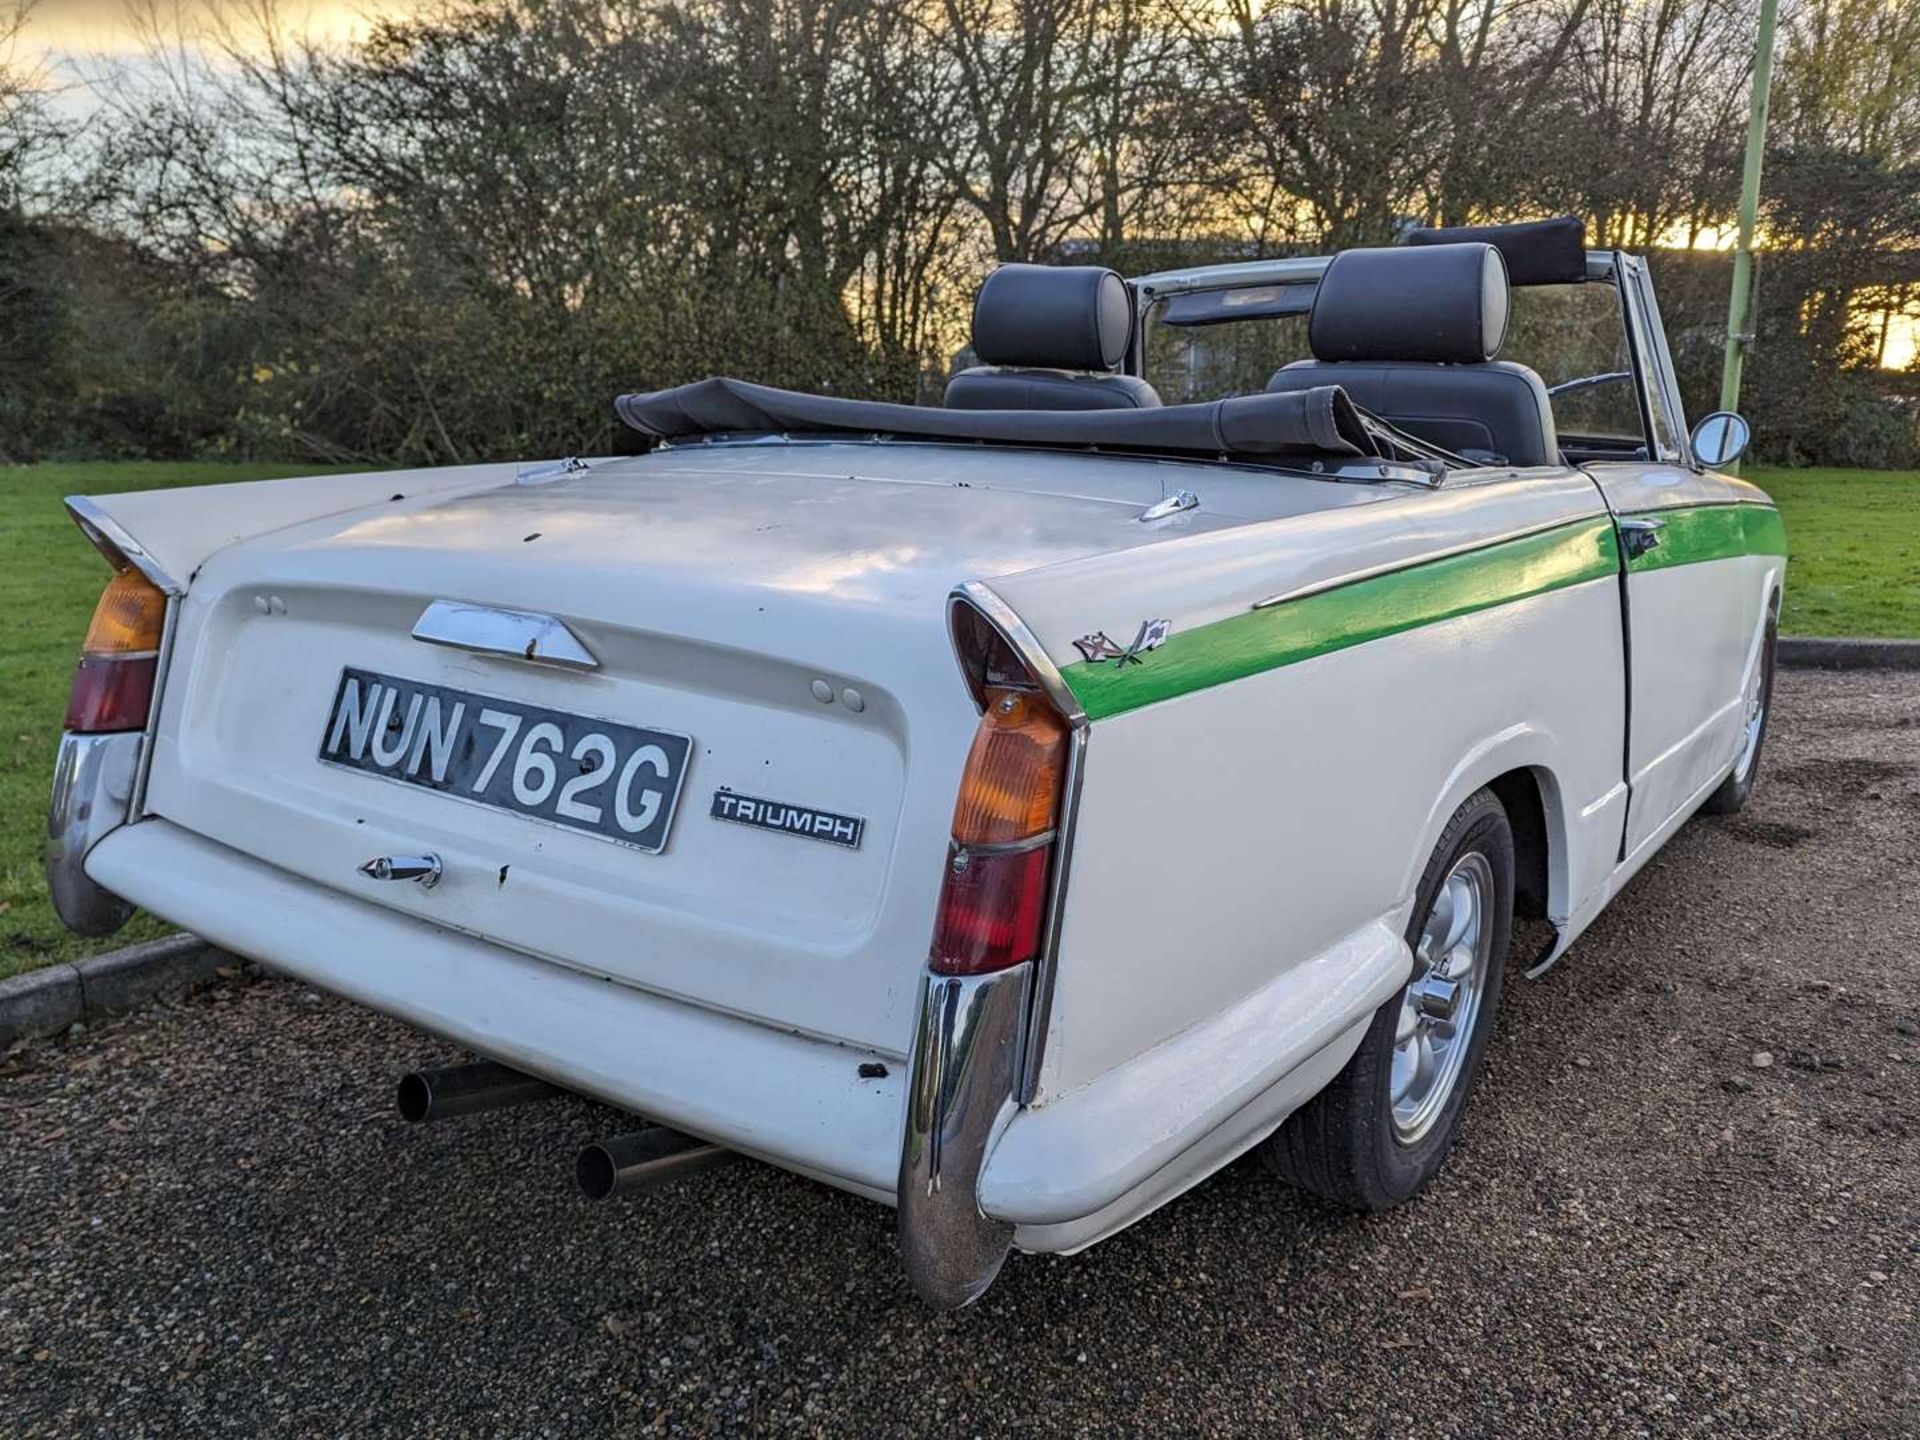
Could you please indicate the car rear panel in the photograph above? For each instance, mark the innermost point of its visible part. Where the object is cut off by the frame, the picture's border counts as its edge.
(792, 626)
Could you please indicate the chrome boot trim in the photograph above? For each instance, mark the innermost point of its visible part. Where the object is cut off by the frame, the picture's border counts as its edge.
(966, 1065)
(491, 630)
(93, 781)
(102, 529)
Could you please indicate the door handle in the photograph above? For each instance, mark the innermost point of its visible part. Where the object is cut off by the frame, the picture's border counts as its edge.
(1639, 535)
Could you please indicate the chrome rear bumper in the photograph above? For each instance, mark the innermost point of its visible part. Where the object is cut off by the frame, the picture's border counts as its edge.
(93, 780)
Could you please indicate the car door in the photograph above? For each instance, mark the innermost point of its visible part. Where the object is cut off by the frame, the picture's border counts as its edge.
(1692, 608)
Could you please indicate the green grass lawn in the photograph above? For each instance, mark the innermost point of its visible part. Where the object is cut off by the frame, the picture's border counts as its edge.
(1853, 543)
(1854, 570)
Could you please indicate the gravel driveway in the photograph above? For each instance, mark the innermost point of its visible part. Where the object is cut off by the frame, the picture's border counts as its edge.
(213, 1224)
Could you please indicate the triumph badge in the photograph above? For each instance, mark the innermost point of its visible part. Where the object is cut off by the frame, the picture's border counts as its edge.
(802, 820)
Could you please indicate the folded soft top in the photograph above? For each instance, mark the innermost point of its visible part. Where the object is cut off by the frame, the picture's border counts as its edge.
(1320, 421)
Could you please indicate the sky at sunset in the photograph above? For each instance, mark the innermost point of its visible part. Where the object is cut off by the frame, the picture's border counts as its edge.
(68, 41)
(61, 28)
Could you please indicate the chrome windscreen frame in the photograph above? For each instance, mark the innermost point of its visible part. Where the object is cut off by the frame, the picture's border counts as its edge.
(1653, 362)
(1291, 270)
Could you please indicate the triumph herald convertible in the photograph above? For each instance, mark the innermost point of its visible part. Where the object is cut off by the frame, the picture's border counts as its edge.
(1011, 811)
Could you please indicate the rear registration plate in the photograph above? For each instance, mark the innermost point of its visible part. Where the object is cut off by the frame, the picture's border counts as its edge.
(620, 782)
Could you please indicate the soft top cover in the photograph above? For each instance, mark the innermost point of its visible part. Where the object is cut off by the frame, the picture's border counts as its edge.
(1320, 421)
(1537, 252)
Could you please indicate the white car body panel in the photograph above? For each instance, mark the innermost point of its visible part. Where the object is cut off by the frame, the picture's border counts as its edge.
(172, 541)
(1695, 634)
(1223, 573)
(1288, 825)
(1072, 1157)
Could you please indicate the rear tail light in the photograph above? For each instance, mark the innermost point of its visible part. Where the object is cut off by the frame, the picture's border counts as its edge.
(993, 902)
(113, 686)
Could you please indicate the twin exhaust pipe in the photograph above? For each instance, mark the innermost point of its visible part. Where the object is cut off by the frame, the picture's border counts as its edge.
(642, 1159)
(638, 1160)
(466, 1090)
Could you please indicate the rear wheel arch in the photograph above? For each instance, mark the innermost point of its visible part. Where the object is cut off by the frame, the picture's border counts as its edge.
(1535, 847)
(1529, 789)
(1372, 1138)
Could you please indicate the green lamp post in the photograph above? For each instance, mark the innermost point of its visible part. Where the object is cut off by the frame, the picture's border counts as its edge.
(1740, 303)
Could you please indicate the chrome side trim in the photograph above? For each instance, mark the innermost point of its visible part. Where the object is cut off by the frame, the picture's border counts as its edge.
(93, 782)
(518, 634)
(1046, 965)
(1394, 567)
(1699, 505)
(137, 802)
(1025, 644)
(102, 529)
(966, 1060)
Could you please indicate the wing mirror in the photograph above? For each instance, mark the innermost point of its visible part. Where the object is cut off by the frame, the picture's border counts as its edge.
(1720, 439)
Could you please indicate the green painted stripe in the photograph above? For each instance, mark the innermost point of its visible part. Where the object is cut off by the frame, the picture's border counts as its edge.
(1353, 614)
(1712, 532)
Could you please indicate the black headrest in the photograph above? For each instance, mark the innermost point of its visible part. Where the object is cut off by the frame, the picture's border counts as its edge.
(1538, 252)
(1443, 303)
(1061, 317)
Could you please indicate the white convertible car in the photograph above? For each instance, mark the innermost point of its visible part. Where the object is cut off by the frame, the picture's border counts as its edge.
(1011, 811)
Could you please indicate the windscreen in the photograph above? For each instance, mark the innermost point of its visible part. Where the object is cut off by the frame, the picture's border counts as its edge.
(1187, 363)
(1575, 339)
(1573, 336)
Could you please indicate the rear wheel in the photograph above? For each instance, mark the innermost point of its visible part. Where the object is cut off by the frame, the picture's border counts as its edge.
(1382, 1129)
(1738, 786)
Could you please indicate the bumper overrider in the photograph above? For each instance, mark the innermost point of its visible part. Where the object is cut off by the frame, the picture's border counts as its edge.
(93, 783)
(966, 1066)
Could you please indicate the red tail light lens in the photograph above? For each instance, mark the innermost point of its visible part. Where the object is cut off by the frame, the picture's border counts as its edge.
(111, 693)
(113, 686)
(991, 909)
(993, 903)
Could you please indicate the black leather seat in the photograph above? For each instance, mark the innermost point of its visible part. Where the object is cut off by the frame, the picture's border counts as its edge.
(1051, 338)
(1412, 333)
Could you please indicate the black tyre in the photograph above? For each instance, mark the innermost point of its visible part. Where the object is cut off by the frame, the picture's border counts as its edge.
(1738, 786)
(1382, 1129)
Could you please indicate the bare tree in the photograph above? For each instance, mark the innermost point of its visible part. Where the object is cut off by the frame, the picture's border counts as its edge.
(1338, 119)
